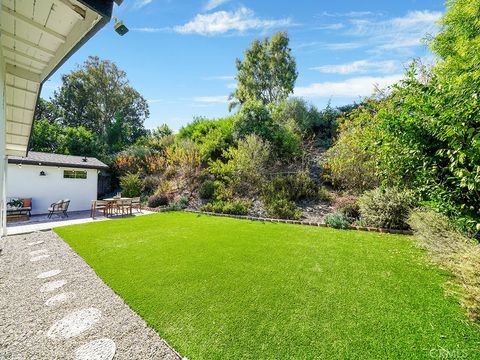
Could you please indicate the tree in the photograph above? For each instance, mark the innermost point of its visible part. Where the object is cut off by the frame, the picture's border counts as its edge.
(211, 136)
(46, 110)
(95, 96)
(51, 137)
(307, 120)
(161, 131)
(256, 118)
(46, 136)
(80, 141)
(267, 73)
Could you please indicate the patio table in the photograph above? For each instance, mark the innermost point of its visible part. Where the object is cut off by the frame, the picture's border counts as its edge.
(112, 203)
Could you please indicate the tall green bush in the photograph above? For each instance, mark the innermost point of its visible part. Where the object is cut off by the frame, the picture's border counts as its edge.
(282, 208)
(386, 208)
(294, 187)
(131, 185)
(245, 166)
(211, 136)
(256, 118)
(296, 114)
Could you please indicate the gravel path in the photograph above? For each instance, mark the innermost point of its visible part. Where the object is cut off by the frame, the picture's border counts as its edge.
(53, 306)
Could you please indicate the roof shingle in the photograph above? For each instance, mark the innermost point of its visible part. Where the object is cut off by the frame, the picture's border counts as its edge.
(48, 159)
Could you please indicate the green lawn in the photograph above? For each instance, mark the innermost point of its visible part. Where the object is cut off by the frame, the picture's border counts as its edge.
(220, 288)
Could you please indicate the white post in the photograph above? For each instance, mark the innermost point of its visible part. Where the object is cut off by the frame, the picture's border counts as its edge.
(4, 195)
(3, 156)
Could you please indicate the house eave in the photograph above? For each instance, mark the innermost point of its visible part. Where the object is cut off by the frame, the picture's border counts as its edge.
(37, 37)
(57, 164)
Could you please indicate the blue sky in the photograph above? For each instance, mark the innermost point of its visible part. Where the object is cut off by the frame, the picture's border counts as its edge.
(180, 55)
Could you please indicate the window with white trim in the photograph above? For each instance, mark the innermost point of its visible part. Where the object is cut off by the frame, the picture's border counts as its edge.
(74, 174)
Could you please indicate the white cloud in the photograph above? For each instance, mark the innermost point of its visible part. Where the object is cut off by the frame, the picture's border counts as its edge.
(221, 77)
(349, 14)
(141, 3)
(353, 87)
(221, 99)
(151, 29)
(401, 43)
(412, 22)
(328, 46)
(399, 32)
(414, 18)
(336, 26)
(343, 46)
(359, 67)
(213, 4)
(222, 22)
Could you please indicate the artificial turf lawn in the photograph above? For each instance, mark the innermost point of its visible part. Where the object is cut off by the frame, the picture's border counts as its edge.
(220, 288)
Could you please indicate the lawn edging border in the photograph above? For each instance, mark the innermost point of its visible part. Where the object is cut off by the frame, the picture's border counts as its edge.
(285, 221)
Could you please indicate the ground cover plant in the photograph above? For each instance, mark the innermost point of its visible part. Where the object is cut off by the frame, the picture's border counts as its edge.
(221, 288)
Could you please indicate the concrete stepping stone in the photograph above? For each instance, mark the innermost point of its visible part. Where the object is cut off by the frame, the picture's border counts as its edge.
(48, 274)
(39, 257)
(52, 285)
(59, 298)
(100, 349)
(38, 252)
(35, 243)
(74, 323)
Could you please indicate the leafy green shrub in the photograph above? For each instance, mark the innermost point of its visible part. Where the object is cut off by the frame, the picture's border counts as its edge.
(337, 220)
(255, 118)
(131, 185)
(234, 207)
(206, 190)
(453, 251)
(245, 167)
(348, 165)
(386, 208)
(181, 204)
(348, 206)
(293, 187)
(211, 136)
(150, 184)
(282, 208)
(307, 120)
(222, 192)
(324, 195)
(155, 201)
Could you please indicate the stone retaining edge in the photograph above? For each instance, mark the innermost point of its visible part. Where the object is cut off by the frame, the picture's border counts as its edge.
(296, 222)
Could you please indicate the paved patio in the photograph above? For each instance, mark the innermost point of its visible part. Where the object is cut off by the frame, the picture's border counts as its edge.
(42, 222)
(54, 306)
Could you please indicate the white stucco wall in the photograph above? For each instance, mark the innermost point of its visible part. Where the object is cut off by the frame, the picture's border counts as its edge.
(26, 182)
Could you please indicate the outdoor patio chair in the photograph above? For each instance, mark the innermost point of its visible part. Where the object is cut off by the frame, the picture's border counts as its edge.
(60, 208)
(137, 204)
(99, 205)
(124, 206)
